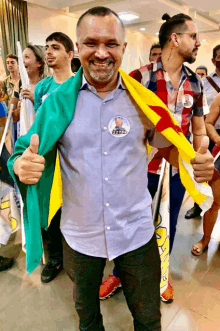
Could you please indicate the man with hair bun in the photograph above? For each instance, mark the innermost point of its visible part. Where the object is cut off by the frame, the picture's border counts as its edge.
(181, 90)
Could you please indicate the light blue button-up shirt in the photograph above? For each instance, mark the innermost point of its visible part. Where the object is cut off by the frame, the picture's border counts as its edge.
(106, 208)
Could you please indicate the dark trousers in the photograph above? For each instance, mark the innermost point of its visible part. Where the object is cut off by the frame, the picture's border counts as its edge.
(177, 192)
(140, 274)
(53, 237)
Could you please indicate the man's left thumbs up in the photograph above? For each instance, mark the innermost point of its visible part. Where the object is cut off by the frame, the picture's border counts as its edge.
(203, 163)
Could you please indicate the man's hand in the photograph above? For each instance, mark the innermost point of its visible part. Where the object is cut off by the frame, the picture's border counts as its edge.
(203, 163)
(30, 165)
(16, 113)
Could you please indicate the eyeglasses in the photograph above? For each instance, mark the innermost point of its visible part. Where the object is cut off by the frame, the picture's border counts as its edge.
(194, 36)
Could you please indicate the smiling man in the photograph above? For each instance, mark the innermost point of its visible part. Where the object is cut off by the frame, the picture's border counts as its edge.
(101, 216)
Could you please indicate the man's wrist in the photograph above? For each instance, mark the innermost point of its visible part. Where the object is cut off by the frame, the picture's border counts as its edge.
(16, 166)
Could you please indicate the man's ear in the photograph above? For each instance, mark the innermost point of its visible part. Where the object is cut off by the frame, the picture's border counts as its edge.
(174, 39)
(213, 61)
(71, 54)
(77, 46)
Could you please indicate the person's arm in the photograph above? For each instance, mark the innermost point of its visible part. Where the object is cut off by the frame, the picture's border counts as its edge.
(16, 109)
(198, 130)
(211, 119)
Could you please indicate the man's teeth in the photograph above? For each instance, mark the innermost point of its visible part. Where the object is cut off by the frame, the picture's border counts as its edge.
(101, 64)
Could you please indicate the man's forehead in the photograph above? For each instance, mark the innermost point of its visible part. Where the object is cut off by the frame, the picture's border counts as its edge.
(191, 27)
(218, 53)
(96, 26)
(156, 50)
(53, 42)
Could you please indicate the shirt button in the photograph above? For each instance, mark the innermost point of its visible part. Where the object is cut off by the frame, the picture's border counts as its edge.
(105, 153)
(106, 178)
(105, 128)
(107, 204)
(108, 228)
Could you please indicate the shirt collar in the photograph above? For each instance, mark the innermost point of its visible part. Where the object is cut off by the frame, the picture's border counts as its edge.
(157, 65)
(213, 74)
(85, 85)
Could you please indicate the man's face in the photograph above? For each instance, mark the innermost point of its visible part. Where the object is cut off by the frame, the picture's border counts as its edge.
(154, 54)
(101, 47)
(201, 72)
(12, 65)
(56, 54)
(189, 42)
(216, 60)
(118, 122)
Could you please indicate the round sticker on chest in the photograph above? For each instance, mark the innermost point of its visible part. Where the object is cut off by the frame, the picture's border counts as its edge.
(187, 101)
(119, 126)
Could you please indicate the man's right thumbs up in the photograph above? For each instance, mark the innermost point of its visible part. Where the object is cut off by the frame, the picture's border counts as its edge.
(29, 166)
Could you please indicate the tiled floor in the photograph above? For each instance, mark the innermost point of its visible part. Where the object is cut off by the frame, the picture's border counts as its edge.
(28, 305)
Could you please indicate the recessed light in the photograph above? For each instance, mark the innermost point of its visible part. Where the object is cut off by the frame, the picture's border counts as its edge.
(128, 16)
(157, 33)
(142, 29)
(203, 40)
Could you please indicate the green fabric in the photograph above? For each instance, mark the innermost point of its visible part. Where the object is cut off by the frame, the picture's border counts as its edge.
(44, 87)
(52, 119)
(14, 26)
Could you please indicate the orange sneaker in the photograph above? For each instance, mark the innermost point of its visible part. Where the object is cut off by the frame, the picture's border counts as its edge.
(168, 295)
(108, 287)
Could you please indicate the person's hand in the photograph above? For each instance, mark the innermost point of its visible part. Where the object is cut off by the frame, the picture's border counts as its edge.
(30, 165)
(28, 94)
(203, 163)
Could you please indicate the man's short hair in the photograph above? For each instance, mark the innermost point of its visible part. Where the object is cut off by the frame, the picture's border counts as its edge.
(63, 39)
(177, 23)
(99, 11)
(214, 52)
(204, 68)
(155, 45)
(12, 56)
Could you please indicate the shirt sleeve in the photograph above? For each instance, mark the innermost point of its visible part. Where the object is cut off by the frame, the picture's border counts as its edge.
(37, 97)
(201, 107)
(4, 86)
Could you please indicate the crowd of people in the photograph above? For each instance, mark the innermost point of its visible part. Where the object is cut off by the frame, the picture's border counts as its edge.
(102, 148)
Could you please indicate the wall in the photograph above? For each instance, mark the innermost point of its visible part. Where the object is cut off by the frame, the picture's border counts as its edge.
(43, 21)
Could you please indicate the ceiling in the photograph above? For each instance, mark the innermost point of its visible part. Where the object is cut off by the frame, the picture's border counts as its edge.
(206, 14)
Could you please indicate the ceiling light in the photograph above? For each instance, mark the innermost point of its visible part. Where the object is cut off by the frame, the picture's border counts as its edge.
(203, 40)
(142, 29)
(128, 16)
(157, 33)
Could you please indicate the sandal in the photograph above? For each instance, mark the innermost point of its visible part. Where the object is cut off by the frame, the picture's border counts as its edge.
(198, 248)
